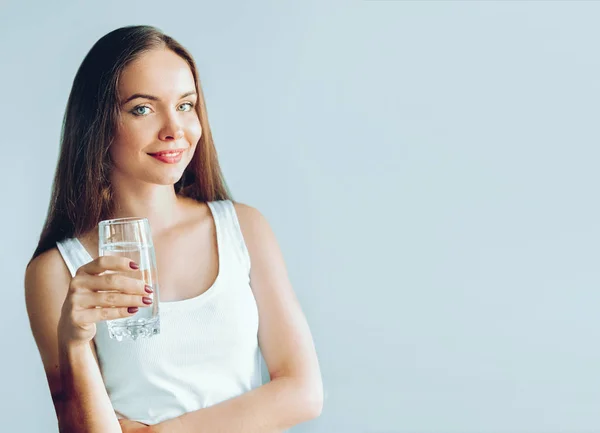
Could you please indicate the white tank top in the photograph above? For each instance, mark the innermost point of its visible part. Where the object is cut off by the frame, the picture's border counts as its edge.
(207, 350)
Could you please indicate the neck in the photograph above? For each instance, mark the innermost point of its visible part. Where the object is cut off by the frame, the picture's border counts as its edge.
(158, 203)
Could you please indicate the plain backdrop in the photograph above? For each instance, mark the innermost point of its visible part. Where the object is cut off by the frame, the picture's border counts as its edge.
(429, 168)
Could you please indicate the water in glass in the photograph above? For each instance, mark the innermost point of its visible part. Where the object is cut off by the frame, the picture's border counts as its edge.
(125, 238)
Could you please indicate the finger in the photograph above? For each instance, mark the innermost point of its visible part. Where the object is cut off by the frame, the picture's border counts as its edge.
(93, 315)
(113, 282)
(111, 299)
(108, 263)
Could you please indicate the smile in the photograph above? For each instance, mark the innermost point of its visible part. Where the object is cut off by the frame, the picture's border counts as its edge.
(168, 157)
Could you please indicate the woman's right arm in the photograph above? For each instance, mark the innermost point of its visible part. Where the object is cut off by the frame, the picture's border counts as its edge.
(63, 325)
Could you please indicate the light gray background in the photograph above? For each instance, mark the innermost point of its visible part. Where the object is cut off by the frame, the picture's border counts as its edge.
(430, 170)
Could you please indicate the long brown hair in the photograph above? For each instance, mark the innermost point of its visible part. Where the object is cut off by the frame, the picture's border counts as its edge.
(81, 191)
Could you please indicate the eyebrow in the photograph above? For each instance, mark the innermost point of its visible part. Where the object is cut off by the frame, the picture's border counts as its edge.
(152, 97)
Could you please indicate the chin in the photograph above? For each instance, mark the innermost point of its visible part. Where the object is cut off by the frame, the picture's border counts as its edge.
(166, 178)
(168, 181)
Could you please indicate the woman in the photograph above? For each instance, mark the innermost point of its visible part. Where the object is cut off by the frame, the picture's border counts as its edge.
(136, 142)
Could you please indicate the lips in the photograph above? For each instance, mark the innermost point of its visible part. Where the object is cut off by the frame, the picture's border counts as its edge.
(169, 153)
(168, 156)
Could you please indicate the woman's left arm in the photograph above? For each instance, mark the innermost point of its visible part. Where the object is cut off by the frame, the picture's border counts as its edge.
(295, 392)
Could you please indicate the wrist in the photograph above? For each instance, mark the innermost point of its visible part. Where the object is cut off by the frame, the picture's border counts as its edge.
(74, 353)
(73, 348)
(69, 345)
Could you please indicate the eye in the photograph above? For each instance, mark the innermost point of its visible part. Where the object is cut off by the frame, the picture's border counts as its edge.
(189, 104)
(136, 111)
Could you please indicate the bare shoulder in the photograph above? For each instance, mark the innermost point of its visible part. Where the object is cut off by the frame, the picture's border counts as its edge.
(249, 217)
(268, 270)
(46, 284)
(48, 270)
(255, 229)
(245, 210)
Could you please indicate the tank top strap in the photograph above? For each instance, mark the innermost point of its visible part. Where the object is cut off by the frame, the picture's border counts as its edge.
(229, 234)
(73, 253)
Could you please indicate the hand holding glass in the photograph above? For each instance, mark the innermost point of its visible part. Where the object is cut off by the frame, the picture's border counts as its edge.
(131, 238)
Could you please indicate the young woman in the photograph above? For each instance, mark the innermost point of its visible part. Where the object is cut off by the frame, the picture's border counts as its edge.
(136, 142)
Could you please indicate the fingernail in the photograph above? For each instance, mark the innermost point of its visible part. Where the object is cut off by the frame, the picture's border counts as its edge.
(132, 310)
(133, 265)
(146, 300)
(148, 289)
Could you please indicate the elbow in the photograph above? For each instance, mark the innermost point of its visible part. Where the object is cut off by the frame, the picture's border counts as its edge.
(313, 400)
(305, 398)
(315, 409)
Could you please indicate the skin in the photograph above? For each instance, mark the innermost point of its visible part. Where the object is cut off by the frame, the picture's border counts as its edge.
(61, 308)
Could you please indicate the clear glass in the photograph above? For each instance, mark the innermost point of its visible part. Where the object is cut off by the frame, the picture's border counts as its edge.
(131, 238)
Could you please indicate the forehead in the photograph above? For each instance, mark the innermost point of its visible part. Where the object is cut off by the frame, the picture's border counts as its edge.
(160, 72)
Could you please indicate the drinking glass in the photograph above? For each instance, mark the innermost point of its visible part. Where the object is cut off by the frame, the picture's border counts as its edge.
(131, 238)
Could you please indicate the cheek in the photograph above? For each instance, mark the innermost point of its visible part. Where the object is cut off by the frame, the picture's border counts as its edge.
(129, 138)
(118, 152)
(193, 130)
(133, 133)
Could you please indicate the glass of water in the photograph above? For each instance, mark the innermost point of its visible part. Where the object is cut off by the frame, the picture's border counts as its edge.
(131, 238)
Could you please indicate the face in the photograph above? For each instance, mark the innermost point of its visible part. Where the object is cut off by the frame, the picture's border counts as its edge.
(158, 127)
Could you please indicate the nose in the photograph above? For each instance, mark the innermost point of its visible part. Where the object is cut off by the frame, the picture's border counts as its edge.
(172, 130)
